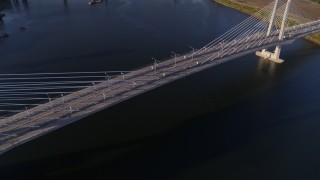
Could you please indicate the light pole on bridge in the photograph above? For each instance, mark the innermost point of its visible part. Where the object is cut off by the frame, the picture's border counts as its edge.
(193, 49)
(50, 100)
(222, 49)
(122, 75)
(28, 113)
(62, 98)
(155, 64)
(175, 58)
(71, 111)
(134, 84)
(221, 44)
(108, 80)
(94, 86)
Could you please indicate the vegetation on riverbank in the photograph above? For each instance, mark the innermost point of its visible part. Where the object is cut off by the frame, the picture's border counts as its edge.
(315, 38)
(316, 1)
(243, 8)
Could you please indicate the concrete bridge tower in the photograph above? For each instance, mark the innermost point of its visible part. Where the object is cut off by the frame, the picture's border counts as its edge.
(275, 56)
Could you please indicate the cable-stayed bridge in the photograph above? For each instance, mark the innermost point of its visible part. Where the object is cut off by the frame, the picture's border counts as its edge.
(34, 104)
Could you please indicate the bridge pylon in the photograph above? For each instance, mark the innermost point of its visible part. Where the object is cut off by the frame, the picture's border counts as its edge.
(275, 56)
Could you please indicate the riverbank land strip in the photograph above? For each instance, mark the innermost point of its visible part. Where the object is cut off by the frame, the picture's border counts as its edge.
(249, 9)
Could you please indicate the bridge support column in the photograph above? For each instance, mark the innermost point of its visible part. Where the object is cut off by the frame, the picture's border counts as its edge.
(275, 56)
(272, 56)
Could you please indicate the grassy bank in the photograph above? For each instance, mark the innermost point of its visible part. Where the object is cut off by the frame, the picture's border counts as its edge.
(316, 1)
(241, 7)
(250, 10)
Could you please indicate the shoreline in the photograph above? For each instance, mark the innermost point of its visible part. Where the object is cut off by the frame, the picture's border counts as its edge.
(250, 10)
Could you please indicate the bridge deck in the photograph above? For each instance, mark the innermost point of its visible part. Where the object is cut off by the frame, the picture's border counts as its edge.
(25, 126)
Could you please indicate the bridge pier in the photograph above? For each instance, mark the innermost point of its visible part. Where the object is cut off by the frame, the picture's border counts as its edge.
(272, 56)
(275, 56)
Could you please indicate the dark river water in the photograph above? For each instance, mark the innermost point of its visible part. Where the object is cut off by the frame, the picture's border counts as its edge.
(245, 119)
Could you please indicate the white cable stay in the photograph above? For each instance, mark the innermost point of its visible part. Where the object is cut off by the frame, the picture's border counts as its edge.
(31, 89)
(63, 73)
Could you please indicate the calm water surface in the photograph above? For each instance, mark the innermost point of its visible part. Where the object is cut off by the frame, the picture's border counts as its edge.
(245, 119)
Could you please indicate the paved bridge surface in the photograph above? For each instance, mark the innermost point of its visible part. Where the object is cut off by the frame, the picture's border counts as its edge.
(245, 38)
